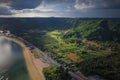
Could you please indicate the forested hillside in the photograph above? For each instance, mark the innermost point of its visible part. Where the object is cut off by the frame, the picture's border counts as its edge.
(19, 25)
(91, 46)
(99, 30)
(100, 40)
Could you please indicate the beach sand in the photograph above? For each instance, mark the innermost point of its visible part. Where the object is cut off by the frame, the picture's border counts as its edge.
(34, 66)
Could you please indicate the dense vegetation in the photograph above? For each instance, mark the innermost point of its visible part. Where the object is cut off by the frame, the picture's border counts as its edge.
(103, 41)
(91, 46)
(20, 25)
(56, 73)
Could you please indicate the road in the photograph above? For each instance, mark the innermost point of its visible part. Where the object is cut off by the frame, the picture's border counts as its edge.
(44, 58)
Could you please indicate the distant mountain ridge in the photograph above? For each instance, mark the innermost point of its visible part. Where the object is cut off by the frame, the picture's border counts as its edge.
(101, 30)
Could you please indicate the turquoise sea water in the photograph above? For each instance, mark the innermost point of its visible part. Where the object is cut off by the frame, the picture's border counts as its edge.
(12, 62)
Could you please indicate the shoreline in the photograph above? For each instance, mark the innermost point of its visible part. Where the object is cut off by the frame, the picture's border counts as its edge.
(34, 66)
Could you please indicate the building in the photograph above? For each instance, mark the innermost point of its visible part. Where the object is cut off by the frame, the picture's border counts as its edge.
(1, 32)
(5, 32)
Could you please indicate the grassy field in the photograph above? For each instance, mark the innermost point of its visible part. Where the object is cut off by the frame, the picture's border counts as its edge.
(57, 36)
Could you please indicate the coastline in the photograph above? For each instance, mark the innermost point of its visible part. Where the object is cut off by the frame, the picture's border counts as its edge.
(34, 66)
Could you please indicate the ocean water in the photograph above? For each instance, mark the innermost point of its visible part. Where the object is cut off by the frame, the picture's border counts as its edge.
(12, 62)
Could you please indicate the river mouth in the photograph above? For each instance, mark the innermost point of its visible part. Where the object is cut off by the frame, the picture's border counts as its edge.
(12, 62)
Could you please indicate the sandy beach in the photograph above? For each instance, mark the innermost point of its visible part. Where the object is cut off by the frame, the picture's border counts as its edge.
(34, 66)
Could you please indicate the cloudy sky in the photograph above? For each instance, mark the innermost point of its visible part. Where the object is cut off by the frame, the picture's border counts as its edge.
(60, 8)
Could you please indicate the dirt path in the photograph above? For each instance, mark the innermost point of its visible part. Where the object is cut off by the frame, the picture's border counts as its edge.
(34, 66)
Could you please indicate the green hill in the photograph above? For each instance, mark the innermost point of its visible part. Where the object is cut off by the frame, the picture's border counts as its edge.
(99, 46)
(99, 30)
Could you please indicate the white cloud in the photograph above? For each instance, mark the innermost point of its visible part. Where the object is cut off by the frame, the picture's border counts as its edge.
(40, 14)
(4, 5)
(83, 6)
(63, 8)
(45, 7)
(43, 10)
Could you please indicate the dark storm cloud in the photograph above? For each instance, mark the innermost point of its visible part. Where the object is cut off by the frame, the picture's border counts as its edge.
(108, 4)
(59, 1)
(30, 4)
(22, 4)
(69, 7)
(4, 11)
(97, 4)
